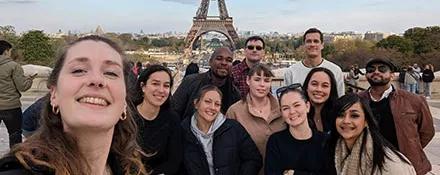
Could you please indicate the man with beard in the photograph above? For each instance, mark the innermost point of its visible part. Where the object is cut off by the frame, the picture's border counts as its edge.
(254, 53)
(404, 118)
(313, 44)
(219, 75)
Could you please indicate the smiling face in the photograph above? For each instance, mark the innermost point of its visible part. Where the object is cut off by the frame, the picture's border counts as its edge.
(351, 123)
(157, 88)
(208, 106)
(294, 109)
(313, 45)
(379, 75)
(319, 87)
(90, 91)
(259, 85)
(221, 62)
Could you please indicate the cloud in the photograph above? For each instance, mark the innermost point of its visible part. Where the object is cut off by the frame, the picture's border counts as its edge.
(192, 2)
(17, 1)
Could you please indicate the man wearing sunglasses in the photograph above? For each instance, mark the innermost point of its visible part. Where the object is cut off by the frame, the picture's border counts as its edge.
(254, 53)
(404, 118)
(313, 43)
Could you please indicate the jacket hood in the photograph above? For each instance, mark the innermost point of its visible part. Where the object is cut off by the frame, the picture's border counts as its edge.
(4, 59)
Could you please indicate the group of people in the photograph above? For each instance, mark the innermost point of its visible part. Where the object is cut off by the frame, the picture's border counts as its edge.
(417, 80)
(98, 119)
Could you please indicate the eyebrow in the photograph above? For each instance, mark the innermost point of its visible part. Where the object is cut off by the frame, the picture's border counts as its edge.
(85, 59)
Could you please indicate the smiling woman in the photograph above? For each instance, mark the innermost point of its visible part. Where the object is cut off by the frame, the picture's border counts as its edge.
(87, 126)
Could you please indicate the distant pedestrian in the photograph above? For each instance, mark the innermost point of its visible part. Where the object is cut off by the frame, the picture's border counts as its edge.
(411, 78)
(401, 79)
(428, 77)
(12, 82)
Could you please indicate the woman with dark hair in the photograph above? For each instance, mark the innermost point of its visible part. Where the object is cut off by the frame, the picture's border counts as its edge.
(214, 144)
(192, 68)
(320, 87)
(86, 125)
(258, 111)
(360, 148)
(159, 127)
(297, 149)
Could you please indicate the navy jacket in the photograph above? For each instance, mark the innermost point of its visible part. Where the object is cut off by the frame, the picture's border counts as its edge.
(234, 152)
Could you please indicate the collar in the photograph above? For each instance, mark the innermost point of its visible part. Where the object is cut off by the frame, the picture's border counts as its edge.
(384, 95)
(243, 65)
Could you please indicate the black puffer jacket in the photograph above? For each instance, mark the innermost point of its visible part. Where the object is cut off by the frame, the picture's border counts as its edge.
(234, 152)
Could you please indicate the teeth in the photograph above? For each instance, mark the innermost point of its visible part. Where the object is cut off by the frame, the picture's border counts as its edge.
(93, 100)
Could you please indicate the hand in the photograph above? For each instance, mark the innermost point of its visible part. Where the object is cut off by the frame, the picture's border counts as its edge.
(288, 172)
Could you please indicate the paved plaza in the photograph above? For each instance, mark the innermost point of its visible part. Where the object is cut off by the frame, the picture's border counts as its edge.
(432, 150)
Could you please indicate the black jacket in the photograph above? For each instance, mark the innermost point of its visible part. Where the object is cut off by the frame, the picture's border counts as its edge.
(187, 91)
(234, 152)
(10, 165)
(428, 75)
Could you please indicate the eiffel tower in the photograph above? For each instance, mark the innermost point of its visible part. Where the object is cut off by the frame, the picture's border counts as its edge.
(203, 23)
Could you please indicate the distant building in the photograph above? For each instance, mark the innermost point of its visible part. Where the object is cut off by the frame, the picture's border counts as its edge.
(375, 36)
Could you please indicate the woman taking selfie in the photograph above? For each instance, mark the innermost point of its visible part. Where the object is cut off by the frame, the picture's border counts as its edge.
(87, 126)
(360, 148)
(214, 144)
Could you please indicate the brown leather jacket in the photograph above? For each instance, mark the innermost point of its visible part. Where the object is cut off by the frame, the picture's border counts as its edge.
(414, 126)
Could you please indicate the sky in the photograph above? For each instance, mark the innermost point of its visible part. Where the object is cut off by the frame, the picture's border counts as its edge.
(159, 16)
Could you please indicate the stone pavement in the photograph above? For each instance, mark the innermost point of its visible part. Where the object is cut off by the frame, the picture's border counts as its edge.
(432, 150)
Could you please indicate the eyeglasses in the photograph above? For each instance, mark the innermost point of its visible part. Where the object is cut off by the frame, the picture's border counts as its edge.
(283, 89)
(250, 47)
(381, 68)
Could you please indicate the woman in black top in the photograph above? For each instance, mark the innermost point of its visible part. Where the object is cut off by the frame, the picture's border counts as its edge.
(297, 149)
(159, 127)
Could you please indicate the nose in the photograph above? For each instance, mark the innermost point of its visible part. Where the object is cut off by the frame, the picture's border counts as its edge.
(346, 119)
(97, 80)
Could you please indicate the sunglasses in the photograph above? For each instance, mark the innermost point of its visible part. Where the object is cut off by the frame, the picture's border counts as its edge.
(283, 89)
(250, 47)
(381, 68)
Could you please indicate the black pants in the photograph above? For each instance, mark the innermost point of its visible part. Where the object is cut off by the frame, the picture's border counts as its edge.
(12, 119)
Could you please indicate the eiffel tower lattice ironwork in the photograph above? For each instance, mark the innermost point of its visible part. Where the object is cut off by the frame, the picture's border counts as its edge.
(203, 23)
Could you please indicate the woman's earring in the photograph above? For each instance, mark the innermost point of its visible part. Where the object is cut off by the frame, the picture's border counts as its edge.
(55, 110)
(124, 114)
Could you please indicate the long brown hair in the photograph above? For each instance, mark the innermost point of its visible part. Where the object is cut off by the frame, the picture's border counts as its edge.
(52, 148)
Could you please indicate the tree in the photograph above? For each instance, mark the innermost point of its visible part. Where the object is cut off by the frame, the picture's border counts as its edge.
(399, 43)
(8, 33)
(425, 39)
(36, 48)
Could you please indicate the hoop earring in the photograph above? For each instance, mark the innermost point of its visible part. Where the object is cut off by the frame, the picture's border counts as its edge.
(55, 110)
(124, 114)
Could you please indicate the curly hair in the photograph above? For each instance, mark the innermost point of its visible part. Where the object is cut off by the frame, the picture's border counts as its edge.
(52, 148)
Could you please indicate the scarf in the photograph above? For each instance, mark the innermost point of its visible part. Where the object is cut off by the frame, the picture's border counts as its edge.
(354, 162)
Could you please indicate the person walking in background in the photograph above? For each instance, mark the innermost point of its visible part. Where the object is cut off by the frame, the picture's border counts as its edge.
(402, 74)
(404, 118)
(254, 54)
(354, 75)
(192, 68)
(428, 77)
(12, 82)
(411, 78)
(360, 148)
(160, 134)
(216, 145)
(297, 149)
(258, 111)
(314, 43)
(418, 71)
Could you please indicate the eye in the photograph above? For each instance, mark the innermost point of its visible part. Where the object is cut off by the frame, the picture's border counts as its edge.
(111, 74)
(78, 71)
(355, 115)
(167, 85)
(284, 108)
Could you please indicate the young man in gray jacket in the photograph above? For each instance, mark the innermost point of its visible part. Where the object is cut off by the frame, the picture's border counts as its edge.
(12, 82)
